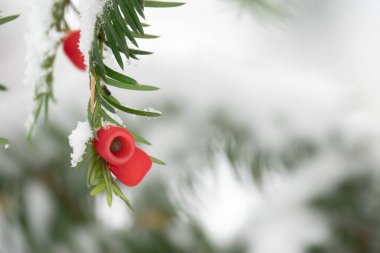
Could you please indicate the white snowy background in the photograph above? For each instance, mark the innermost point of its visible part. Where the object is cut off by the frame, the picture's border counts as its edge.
(318, 68)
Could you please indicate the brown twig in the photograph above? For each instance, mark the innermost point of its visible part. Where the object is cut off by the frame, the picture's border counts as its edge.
(92, 99)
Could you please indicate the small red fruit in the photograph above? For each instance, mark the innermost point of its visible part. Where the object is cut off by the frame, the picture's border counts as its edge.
(127, 162)
(133, 172)
(71, 49)
(115, 145)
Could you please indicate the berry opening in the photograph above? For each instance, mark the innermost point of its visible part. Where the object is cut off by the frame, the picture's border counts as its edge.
(121, 147)
(116, 145)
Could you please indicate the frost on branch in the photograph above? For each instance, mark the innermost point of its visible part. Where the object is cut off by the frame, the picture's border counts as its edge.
(151, 109)
(41, 41)
(78, 141)
(114, 117)
(90, 10)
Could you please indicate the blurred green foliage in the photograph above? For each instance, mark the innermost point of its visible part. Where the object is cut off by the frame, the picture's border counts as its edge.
(265, 8)
(246, 151)
(352, 210)
(156, 226)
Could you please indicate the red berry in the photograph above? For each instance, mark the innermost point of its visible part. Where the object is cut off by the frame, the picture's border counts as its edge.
(132, 172)
(115, 145)
(127, 162)
(71, 49)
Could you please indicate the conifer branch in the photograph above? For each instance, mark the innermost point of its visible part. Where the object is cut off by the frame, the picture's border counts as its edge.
(43, 92)
(118, 28)
(4, 20)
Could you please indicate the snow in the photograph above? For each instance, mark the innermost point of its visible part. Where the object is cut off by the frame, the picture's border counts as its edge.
(150, 109)
(39, 209)
(40, 40)
(30, 121)
(78, 141)
(318, 80)
(115, 117)
(89, 11)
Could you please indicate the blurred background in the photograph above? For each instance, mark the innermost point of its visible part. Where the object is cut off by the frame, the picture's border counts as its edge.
(270, 133)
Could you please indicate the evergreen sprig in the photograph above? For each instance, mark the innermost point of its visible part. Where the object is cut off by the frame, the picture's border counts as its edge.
(7, 19)
(4, 20)
(118, 28)
(43, 92)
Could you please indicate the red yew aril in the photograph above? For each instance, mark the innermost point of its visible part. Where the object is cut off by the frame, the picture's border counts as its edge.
(133, 172)
(127, 162)
(71, 49)
(115, 145)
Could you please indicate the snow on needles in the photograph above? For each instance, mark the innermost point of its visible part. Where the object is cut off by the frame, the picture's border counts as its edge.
(41, 41)
(113, 116)
(89, 11)
(78, 140)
